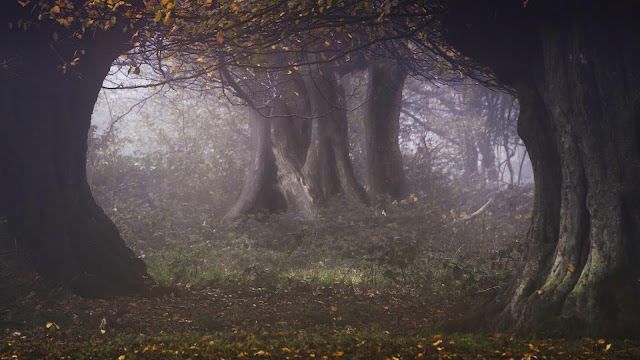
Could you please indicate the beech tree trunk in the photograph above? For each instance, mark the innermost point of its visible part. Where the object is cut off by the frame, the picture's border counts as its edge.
(274, 180)
(299, 163)
(385, 171)
(291, 137)
(328, 167)
(470, 156)
(45, 117)
(260, 191)
(485, 143)
(578, 80)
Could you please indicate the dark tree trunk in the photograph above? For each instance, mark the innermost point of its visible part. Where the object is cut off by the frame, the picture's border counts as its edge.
(488, 162)
(578, 82)
(470, 156)
(328, 167)
(45, 118)
(485, 143)
(385, 171)
(260, 191)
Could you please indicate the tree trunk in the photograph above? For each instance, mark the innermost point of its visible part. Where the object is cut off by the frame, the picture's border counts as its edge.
(43, 142)
(578, 82)
(485, 145)
(328, 167)
(309, 157)
(470, 156)
(385, 171)
(260, 191)
(291, 138)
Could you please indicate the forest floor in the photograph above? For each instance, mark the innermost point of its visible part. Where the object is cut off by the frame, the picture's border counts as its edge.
(291, 320)
(358, 283)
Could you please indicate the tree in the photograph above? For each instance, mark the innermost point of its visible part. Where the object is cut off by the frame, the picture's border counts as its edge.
(328, 167)
(305, 129)
(573, 66)
(575, 69)
(381, 120)
(46, 102)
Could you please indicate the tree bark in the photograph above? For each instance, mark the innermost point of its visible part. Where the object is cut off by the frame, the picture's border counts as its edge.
(385, 171)
(310, 157)
(470, 156)
(292, 137)
(578, 81)
(260, 191)
(485, 144)
(328, 167)
(43, 142)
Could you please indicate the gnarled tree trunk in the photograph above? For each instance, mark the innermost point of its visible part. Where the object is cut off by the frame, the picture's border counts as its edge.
(578, 80)
(385, 171)
(328, 167)
(45, 117)
(310, 157)
(260, 191)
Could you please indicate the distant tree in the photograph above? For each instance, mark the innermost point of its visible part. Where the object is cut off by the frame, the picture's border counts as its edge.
(385, 171)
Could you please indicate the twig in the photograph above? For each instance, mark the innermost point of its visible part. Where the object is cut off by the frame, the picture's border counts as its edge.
(491, 288)
(475, 214)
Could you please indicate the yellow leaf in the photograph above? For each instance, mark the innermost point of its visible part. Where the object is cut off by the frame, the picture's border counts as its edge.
(337, 353)
(158, 16)
(540, 292)
(121, 357)
(167, 18)
(234, 6)
(607, 347)
(204, 223)
(571, 268)
(50, 324)
(56, 9)
(437, 342)
(334, 308)
(175, 68)
(200, 60)
(327, 43)
(384, 213)
(103, 331)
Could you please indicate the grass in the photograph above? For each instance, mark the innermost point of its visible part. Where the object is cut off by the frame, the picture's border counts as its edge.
(354, 284)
